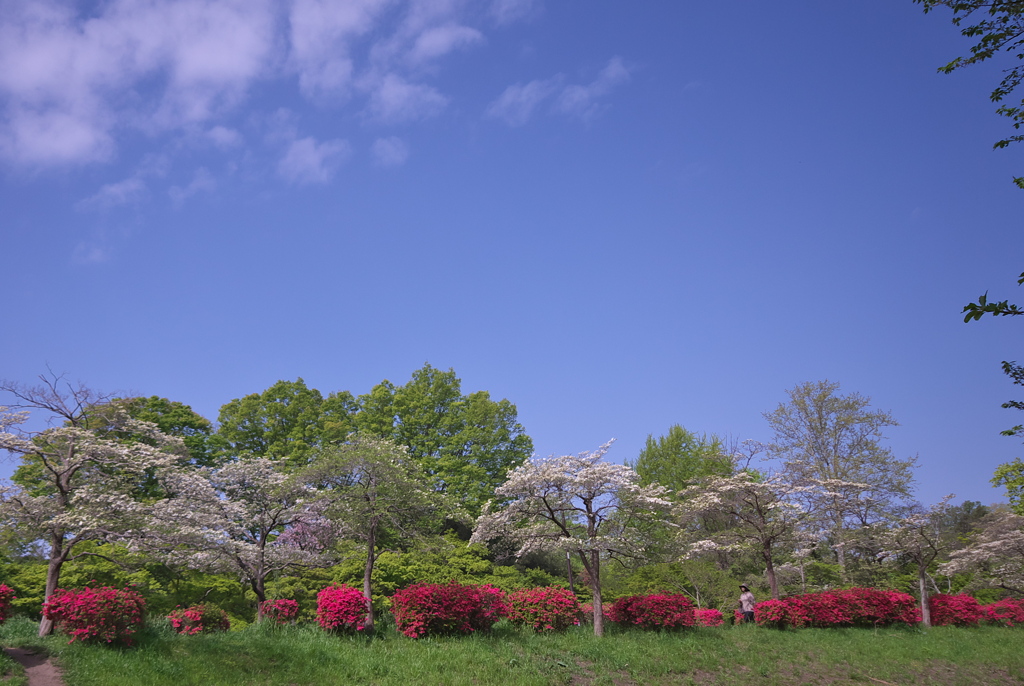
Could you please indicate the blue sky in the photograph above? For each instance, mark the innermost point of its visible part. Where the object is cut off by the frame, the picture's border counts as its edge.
(619, 216)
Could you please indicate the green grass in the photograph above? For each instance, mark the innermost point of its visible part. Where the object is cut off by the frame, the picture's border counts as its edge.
(297, 656)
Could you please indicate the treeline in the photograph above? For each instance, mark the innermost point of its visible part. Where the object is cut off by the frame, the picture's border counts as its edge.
(293, 490)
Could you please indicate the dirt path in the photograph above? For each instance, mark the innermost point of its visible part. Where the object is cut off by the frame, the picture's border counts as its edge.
(40, 671)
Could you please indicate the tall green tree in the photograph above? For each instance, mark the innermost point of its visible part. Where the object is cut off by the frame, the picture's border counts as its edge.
(371, 488)
(823, 436)
(466, 444)
(285, 423)
(997, 26)
(681, 458)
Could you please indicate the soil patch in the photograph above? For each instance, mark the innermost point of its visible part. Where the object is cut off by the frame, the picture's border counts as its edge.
(38, 668)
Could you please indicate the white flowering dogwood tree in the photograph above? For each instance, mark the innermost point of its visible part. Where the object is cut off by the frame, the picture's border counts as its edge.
(995, 554)
(921, 538)
(579, 504)
(74, 483)
(233, 520)
(370, 485)
(764, 513)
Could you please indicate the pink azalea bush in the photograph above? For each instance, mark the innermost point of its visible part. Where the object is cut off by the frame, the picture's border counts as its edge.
(280, 611)
(658, 611)
(708, 617)
(847, 607)
(544, 609)
(341, 608)
(199, 619)
(957, 610)
(111, 615)
(452, 608)
(6, 596)
(1008, 612)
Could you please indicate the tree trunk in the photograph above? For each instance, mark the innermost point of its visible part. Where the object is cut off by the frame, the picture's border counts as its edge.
(926, 615)
(371, 544)
(769, 568)
(593, 567)
(259, 587)
(52, 577)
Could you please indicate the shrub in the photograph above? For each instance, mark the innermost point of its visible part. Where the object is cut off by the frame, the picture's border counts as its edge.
(104, 614)
(452, 608)
(281, 611)
(873, 606)
(959, 610)
(341, 608)
(708, 617)
(779, 614)
(1008, 612)
(199, 619)
(6, 596)
(659, 611)
(544, 609)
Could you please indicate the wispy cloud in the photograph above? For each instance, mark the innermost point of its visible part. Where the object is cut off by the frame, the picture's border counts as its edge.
(309, 162)
(395, 100)
(390, 152)
(126, 192)
(519, 102)
(202, 182)
(508, 11)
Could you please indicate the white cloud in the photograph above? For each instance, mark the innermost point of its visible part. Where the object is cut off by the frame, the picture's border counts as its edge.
(224, 138)
(395, 100)
(321, 33)
(581, 101)
(307, 161)
(202, 182)
(128, 191)
(508, 11)
(90, 253)
(441, 40)
(390, 152)
(518, 103)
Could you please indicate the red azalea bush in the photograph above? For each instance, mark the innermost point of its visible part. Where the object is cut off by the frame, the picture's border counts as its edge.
(779, 614)
(341, 608)
(959, 610)
(452, 608)
(874, 606)
(199, 619)
(658, 611)
(281, 611)
(106, 614)
(544, 609)
(6, 596)
(1008, 612)
(708, 617)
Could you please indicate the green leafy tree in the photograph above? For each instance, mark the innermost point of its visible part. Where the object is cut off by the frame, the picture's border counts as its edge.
(370, 487)
(465, 444)
(681, 458)
(998, 28)
(1009, 474)
(285, 423)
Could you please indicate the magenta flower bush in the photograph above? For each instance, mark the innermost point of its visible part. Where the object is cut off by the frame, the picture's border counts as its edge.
(452, 608)
(341, 608)
(658, 611)
(1007, 612)
(199, 619)
(110, 615)
(280, 611)
(708, 617)
(543, 609)
(6, 596)
(956, 610)
(847, 607)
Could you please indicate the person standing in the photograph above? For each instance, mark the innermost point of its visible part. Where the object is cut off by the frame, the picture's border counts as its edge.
(747, 604)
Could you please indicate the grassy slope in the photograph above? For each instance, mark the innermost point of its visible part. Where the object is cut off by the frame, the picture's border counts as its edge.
(731, 655)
